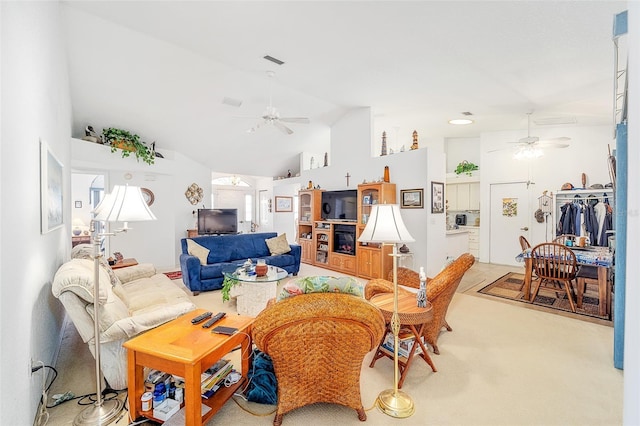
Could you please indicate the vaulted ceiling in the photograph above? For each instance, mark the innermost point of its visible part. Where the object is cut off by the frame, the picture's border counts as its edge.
(163, 68)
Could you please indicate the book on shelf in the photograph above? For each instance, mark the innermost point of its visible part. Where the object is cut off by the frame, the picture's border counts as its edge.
(214, 375)
(406, 340)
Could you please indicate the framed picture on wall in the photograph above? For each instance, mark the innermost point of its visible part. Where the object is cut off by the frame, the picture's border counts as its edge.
(284, 204)
(412, 198)
(51, 186)
(437, 197)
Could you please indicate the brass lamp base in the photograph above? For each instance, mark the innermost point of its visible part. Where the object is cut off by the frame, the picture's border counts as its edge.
(395, 403)
(99, 414)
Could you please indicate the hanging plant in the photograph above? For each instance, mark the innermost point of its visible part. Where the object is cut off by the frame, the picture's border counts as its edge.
(128, 143)
(466, 167)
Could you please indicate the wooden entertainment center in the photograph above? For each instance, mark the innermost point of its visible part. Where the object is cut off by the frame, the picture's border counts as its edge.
(332, 244)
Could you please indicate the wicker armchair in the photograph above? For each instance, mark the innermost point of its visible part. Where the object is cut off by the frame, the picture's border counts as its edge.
(440, 291)
(317, 343)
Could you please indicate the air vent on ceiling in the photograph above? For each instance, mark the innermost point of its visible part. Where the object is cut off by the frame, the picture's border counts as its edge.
(466, 113)
(231, 101)
(274, 60)
(550, 121)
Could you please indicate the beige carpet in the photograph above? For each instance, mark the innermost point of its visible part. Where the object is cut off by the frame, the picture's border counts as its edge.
(493, 370)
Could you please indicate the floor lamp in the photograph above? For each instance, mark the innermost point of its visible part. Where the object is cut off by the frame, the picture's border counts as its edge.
(123, 204)
(385, 226)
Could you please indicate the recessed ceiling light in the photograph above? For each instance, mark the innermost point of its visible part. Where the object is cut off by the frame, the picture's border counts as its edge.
(460, 121)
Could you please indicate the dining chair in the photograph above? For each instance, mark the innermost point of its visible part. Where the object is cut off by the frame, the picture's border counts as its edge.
(556, 266)
(524, 243)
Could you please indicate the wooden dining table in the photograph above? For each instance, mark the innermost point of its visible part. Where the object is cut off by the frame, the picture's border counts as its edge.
(600, 257)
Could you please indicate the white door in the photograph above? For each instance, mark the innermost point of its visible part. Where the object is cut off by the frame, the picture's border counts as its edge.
(510, 217)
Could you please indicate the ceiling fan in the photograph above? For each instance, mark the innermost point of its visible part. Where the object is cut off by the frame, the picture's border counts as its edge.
(531, 146)
(272, 116)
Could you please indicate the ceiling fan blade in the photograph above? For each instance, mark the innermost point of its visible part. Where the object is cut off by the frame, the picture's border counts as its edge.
(301, 120)
(282, 127)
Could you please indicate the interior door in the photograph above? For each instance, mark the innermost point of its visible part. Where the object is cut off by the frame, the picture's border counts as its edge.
(235, 199)
(510, 217)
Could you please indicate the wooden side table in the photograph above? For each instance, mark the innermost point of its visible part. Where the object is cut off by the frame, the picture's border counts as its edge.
(124, 263)
(411, 316)
(186, 350)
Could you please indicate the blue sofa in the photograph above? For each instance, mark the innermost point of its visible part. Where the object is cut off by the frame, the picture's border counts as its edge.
(226, 250)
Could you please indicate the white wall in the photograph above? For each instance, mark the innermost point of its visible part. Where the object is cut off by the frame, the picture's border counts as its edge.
(350, 147)
(461, 149)
(587, 153)
(35, 105)
(158, 241)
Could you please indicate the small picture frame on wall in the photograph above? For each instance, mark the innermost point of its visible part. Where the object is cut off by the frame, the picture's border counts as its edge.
(412, 198)
(437, 197)
(78, 204)
(284, 204)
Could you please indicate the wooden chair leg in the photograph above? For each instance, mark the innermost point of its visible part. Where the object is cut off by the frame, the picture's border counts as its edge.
(447, 326)
(567, 287)
(536, 288)
(582, 284)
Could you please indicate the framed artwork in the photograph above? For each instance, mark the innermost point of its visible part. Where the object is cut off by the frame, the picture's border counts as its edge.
(78, 204)
(283, 204)
(51, 186)
(437, 197)
(412, 198)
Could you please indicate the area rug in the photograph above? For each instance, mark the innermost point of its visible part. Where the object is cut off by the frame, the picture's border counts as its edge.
(509, 286)
(176, 275)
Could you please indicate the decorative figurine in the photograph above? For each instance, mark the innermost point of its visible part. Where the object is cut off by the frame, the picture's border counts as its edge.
(313, 162)
(384, 144)
(421, 295)
(414, 145)
(326, 159)
(289, 173)
(386, 174)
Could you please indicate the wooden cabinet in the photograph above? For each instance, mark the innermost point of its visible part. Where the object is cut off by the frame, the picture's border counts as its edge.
(343, 263)
(308, 212)
(474, 239)
(373, 260)
(370, 263)
(463, 196)
(322, 243)
(191, 233)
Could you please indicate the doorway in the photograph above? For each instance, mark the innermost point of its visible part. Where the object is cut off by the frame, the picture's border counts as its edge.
(510, 217)
(87, 190)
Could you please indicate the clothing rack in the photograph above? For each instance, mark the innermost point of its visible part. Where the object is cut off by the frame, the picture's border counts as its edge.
(584, 195)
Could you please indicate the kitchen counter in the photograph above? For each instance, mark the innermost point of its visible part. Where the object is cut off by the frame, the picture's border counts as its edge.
(457, 231)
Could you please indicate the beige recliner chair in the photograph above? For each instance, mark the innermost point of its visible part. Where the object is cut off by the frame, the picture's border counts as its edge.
(132, 300)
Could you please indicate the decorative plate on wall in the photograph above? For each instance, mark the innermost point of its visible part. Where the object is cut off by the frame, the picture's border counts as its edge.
(194, 194)
(148, 196)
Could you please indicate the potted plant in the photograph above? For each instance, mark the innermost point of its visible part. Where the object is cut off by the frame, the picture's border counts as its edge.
(128, 143)
(466, 167)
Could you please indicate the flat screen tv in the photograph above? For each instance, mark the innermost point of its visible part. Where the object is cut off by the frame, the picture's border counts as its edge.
(340, 205)
(217, 221)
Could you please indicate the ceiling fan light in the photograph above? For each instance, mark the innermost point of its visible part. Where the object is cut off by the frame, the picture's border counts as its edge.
(460, 121)
(528, 153)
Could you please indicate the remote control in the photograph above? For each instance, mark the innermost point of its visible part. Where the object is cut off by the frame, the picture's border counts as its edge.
(201, 317)
(214, 319)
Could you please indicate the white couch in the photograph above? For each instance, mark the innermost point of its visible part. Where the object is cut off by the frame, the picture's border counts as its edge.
(132, 300)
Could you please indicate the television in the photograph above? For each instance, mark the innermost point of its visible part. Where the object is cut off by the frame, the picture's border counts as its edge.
(340, 205)
(217, 221)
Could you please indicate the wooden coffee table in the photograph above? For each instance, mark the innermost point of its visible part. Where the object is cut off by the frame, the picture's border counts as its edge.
(411, 316)
(186, 350)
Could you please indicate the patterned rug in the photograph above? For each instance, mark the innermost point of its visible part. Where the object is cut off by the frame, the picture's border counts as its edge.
(509, 286)
(174, 275)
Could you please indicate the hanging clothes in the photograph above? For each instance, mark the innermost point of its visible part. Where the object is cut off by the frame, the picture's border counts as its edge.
(607, 224)
(600, 211)
(591, 224)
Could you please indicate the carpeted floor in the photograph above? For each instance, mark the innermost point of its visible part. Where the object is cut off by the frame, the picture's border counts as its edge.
(509, 286)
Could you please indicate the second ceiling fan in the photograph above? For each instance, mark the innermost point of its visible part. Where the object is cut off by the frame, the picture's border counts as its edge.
(531, 146)
(272, 116)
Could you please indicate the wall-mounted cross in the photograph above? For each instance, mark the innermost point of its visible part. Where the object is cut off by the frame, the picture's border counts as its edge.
(347, 176)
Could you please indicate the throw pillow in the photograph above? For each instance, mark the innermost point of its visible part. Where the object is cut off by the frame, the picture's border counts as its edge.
(198, 251)
(321, 284)
(278, 245)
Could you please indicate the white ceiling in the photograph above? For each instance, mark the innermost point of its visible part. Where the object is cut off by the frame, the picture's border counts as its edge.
(164, 69)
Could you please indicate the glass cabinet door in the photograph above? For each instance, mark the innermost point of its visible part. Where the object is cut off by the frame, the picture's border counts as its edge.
(370, 197)
(305, 207)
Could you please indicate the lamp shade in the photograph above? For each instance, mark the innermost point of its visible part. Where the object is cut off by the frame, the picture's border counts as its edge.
(124, 204)
(385, 225)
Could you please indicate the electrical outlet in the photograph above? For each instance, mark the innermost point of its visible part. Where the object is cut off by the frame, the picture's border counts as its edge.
(34, 366)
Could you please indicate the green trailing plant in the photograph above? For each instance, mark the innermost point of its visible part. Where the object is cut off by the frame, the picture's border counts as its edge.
(226, 287)
(466, 167)
(128, 143)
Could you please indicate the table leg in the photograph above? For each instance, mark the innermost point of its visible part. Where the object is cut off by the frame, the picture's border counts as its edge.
(603, 299)
(425, 352)
(526, 289)
(192, 397)
(136, 384)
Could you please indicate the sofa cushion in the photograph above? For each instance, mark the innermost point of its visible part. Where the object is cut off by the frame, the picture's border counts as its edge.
(85, 251)
(278, 245)
(152, 291)
(280, 260)
(112, 310)
(76, 276)
(198, 251)
(321, 284)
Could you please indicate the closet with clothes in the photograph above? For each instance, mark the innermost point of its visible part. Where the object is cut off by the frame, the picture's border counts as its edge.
(587, 213)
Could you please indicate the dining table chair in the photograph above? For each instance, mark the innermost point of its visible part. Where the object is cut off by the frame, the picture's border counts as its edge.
(555, 266)
(564, 238)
